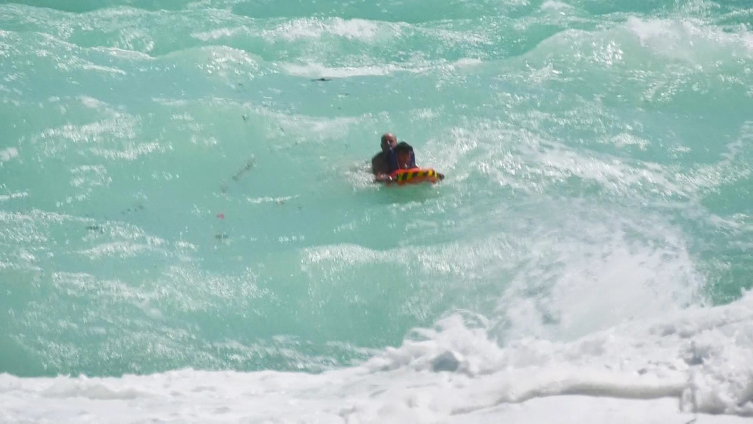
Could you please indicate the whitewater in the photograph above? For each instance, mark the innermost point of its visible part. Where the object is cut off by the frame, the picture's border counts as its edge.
(190, 232)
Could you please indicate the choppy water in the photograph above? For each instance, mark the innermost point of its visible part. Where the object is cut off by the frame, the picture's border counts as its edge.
(180, 191)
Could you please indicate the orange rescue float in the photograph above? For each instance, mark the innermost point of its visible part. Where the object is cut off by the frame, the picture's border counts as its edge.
(415, 176)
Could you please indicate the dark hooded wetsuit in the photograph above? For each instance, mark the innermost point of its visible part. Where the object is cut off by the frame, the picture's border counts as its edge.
(392, 160)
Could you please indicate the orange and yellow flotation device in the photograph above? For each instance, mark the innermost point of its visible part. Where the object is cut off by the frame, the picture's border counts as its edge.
(415, 175)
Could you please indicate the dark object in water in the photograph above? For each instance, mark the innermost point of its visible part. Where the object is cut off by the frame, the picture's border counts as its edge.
(247, 167)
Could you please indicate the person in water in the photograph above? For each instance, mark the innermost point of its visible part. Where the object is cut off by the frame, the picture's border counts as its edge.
(400, 157)
(385, 162)
(380, 163)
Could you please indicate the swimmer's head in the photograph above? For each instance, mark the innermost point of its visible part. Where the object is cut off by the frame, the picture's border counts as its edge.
(403, 151)
(389, 141)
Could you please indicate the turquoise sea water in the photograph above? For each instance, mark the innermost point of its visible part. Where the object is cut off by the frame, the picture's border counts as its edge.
(598, 158)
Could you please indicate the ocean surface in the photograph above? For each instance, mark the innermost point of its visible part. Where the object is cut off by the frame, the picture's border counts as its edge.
(189, 231)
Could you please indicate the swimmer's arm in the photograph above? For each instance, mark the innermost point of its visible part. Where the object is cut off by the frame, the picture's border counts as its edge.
(375, 165)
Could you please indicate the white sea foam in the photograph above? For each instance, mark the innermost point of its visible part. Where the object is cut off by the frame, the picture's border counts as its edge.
(18, 195)
(554, 5)
(649, 357)
(8, 154)
(594, 325)
(218, 33)
(690, 41)
(268, 199)
(317, 70)
(313, 28)
(694, 361)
